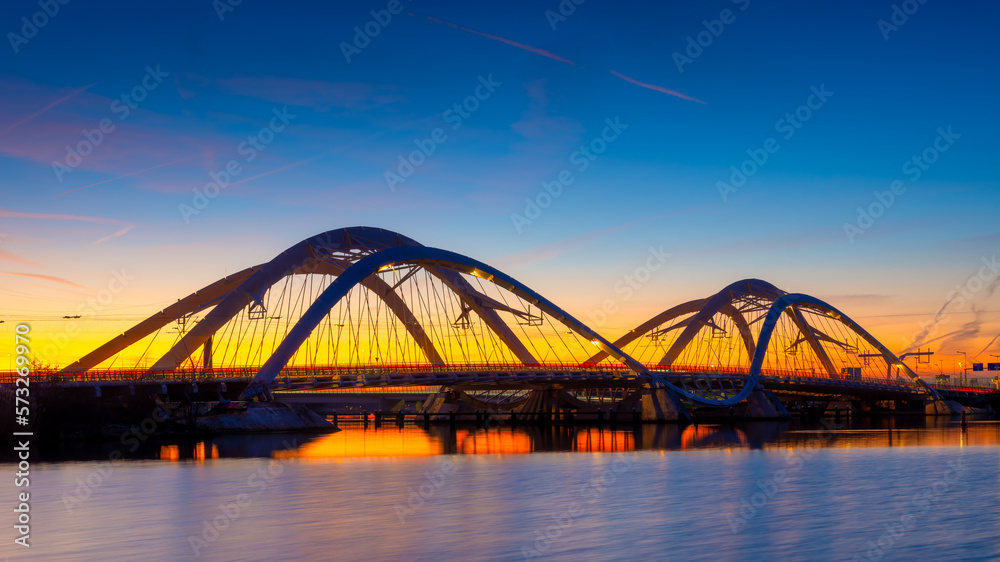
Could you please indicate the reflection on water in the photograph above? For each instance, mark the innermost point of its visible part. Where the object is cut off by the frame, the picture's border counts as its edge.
(747, 491)
(412, 441)
(354, 441)
(201, 451)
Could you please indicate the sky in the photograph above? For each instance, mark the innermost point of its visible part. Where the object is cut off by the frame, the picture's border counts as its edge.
(844, 150)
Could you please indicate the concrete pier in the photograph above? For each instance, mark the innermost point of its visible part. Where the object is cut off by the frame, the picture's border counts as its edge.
(762, 404)
(660, 405)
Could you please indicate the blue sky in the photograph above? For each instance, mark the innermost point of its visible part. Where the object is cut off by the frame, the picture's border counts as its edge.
(655, 184)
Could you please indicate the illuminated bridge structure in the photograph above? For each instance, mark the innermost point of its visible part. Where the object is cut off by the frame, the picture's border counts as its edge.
(365, 307)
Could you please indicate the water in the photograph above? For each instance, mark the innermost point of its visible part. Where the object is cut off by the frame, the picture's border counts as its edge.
(920, 488)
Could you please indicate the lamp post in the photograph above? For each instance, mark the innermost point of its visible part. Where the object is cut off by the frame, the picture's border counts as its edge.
(996, 378)
(965, 369)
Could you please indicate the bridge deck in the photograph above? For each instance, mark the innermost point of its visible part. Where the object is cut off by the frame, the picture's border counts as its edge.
(713, 380)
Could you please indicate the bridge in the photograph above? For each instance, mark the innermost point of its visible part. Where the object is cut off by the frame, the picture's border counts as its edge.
(362, 307)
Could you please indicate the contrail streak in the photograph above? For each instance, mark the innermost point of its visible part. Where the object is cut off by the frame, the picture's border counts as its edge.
(115, 235)
(553, 56)
(45, 278)
(987, 346)
(655, 87)
(123, 176)
(44, 109)
(281, 169)
(528, 48)
(45, 216)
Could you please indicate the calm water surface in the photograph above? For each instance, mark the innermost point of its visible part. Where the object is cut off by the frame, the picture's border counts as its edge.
(889, 489)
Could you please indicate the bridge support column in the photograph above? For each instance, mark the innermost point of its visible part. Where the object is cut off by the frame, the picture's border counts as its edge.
(763, 404)
(540, 401)
(942, 408)
(548, 402)
(659, 405)
(444, 403)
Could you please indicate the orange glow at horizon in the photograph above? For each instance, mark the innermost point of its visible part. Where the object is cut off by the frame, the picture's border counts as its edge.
(58, 341)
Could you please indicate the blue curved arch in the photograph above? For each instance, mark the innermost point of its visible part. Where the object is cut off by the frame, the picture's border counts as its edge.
(309, 256)
(648, 325)
(305, 256)
(705, 308)
(798, 299)
(716, 304)
(433, 257)
(439, 258)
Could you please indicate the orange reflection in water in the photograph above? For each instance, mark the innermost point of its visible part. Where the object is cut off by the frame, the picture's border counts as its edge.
(170, 453)
(593, 440)
(712, 437)
(407, 442)
(201, 451)
(484, 442)
(412, 441)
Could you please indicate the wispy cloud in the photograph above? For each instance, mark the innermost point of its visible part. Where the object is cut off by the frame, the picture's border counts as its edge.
(537, 124)
(631, 80)
(59, 280)
(124, 176)
(67, 97)
(281, 169)
(149, 139)
(984, 238)
(8, 256)
(557, 248)
(57, 217)
(316, 94)
(115, 235)
(770, 243)
(857, 300)
(50, 288)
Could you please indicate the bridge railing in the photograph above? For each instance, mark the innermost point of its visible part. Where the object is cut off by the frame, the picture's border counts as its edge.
(130, 375)
(247, 372)
(973, 385)
(362, 373)
(784, 374)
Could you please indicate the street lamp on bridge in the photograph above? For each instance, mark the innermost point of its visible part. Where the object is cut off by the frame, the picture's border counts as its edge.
(965, 368)
(996, 378)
